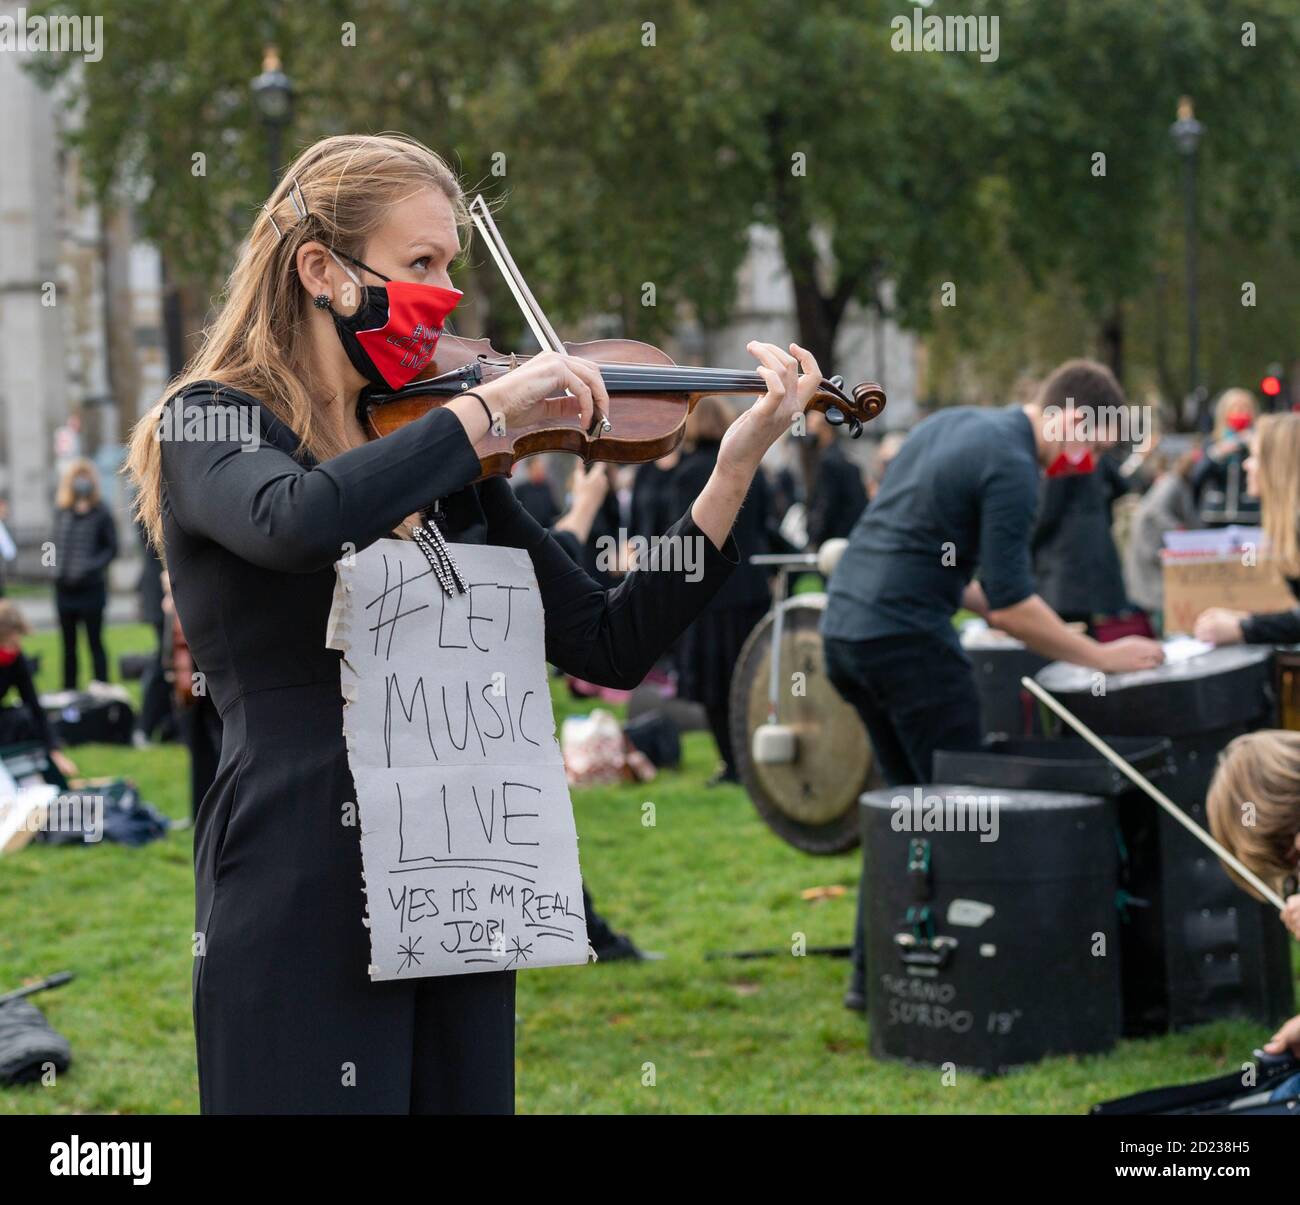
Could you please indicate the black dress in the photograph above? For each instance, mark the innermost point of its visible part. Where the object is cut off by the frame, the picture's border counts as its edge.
(286, 1018)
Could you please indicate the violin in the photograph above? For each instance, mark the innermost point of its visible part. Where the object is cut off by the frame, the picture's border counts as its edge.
(650, 396)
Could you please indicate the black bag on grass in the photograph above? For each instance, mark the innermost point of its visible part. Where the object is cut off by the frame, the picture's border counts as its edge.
(28, 1043)
(655, 734)
(125, 817)
(87, 718)
(1223, 1096)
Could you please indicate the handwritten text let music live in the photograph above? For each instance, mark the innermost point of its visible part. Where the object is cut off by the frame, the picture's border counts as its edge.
(467, 836)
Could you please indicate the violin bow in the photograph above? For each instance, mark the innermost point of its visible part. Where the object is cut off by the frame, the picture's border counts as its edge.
(545, 333)
(538, 323)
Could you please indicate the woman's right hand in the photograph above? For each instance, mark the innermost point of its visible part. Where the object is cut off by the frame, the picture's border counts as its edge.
(1291, 915)
(548, 375)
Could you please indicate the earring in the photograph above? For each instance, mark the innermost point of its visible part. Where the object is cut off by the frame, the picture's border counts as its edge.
(321, 301)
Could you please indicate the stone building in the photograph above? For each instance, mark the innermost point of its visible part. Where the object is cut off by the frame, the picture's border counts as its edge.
(80, 314)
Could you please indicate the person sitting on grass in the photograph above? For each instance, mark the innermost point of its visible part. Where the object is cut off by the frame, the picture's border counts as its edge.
(1254, 811)
(24, 722)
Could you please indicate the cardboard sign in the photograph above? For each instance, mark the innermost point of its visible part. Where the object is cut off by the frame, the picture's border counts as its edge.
(468, 846)
(1195, 583)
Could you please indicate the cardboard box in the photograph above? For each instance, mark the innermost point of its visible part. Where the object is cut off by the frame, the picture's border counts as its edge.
(1195, 583)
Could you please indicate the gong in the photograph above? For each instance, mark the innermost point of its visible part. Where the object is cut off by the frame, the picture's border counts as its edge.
(811, 800)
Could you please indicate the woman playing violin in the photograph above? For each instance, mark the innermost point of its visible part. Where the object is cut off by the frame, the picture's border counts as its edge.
(255, 475)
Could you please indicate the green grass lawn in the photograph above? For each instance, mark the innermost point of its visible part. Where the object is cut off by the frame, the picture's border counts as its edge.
(722, 1036)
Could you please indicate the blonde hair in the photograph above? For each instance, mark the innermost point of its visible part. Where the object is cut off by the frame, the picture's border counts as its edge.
(1277, 451)
(12, 621)
(1254, 804)
(1232, 399)
(65, 496)
(258, 342)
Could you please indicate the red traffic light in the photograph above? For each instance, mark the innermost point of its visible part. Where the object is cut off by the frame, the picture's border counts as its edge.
(1270, 386)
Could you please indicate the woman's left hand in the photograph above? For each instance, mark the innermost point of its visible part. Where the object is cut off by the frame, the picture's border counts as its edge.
(788, 393)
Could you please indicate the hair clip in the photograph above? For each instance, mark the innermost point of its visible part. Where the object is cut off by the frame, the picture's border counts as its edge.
(299, 201)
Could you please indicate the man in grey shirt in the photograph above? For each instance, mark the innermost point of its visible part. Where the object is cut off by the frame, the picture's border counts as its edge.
(959, 497)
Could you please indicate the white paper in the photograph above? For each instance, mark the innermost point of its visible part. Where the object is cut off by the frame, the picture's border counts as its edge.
(1184, 648)
(24, 809)
(468, 846)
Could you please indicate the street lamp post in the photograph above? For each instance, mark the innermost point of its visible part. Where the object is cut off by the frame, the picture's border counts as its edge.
(273, 96)
(1186, 133)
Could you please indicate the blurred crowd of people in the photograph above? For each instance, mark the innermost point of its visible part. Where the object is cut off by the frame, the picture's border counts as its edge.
(813, 491)
(1096, 546)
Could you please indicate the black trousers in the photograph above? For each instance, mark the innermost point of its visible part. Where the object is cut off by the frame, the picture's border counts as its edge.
(93, 621)
(915, 694)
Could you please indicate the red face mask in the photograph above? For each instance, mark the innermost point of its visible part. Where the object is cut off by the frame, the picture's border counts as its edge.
(1239, 421)
(392, 335)
(1072, 464)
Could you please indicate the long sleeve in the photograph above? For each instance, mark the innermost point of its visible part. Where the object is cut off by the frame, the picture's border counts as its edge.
(1006, 519)
(1275, 627)
(611, 637)
(267, 507)
(105, 543)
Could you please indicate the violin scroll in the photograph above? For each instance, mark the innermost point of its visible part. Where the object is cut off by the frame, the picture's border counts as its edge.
(865, 402)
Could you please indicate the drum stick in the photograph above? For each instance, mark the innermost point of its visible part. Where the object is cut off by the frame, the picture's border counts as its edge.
(1158, 795)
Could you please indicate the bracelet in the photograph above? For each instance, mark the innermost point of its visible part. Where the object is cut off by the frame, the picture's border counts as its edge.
(492, 418)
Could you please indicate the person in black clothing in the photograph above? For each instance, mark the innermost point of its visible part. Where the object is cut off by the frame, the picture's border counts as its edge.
(27, 721)
(535, 494)
(571, 532)
(1076, 563)
(1273, 475)
(85, 543)
(253, 513)
(602, 550)
(653, 498)
(1219, 479)
(836, 495)
(710, 647)
(959, 496)
(156, 714)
